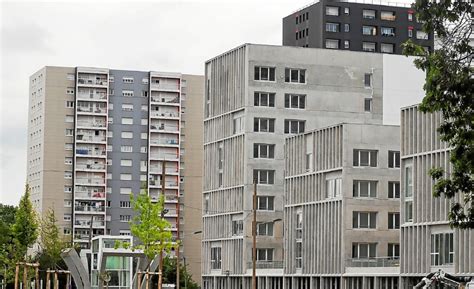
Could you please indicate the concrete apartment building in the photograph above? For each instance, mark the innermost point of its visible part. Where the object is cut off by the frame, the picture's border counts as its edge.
(255, 97)
(427, 242)
(342, 209)
(355, 25)
(96, 135)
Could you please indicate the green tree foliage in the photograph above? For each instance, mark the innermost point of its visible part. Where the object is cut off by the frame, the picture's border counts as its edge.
(169, 274)
(52, 242)
(25, 228)
(7, 261)
(449, 89)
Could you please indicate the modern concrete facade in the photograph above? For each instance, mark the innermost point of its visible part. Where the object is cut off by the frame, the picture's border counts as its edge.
(98, 135)
(342, 206)
(355, 25)
(256, 95)
(427, 241)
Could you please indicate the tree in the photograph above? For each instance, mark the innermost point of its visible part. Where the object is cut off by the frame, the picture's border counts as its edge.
(169, 274)
(25, 228)
(449, 89)
(52, 243)
(7, 264)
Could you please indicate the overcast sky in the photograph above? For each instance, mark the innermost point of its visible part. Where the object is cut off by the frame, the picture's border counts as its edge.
(175, 36)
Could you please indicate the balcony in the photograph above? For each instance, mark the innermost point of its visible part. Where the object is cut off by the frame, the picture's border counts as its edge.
(94, 124)
(90, 109)
(83, 95)
(373, 262)
(156, 170)
(165, 86)
(98, 81)
(90, 167)
(168, 157)
(164, 115)
(90, 181)
(171, 142)
(91, 138)
(157, 183)
(90, 153)
(87, 223)
(165, 100)
(89, 209)
(165, 128)
(89, 195)
(266, 265)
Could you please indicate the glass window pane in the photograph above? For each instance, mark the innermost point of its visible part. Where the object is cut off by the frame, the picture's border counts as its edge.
(272, 74)
(302, 76)
(257, 73)
(264, 73)
(364, 158)
(294, 75)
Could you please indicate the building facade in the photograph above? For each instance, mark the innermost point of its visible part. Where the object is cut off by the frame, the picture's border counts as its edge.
(98, 135)
(427, 241)
(342, 210)
(354, 25)
(255, 97)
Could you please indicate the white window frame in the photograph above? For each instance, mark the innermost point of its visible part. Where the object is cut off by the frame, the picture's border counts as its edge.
(290, 100)
(331, 43)
(126, 163)
(365, 46)
(301, 77)
(128, 79)
(127, 134)
(392, 186)
(264, 177)
(268, 148)
(269, 123)
(371, 220)
(126, 149)
(127, 107)
(267, 253)
(125, 191)
(265, 203)
(332, 11)
(392, 216)
(288, 126)
(332, 27)
(127, 120)
(271, 71)
(264, 99)
(371, 155)
(127, 93)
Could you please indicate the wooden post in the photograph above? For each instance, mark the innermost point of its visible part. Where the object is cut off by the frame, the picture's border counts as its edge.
(25, 276)
(48, 282)
(37, 279)
(139, 280)
(147, 277)
(56, 281)
(17, 273)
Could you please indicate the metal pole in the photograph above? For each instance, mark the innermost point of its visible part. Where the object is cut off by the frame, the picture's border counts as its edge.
(254, 236)
(48, 282)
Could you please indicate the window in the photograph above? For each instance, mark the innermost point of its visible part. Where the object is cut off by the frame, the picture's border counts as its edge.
(110, 120)
(215, 257)
(111, 106)
(144, 121)
(111, 78)
(264, 73)
(125, 191)
(364, 250)
(421, 35)
(332, 43)
(368, 14)
(69, 104)
(70, 90)
(364, 220)
(410, 32)
(143, 150)
(265, 203)
(265, 255)
(144, 107)
(364, 189)
(409, 211)
(67, 189)
(126, 163)
(111, 92)
(332, 11)
(394, 220)
(68, 146)
(346, 44)
(109, 148)
(332, 27)
(124, 233)
(69, 132)
(127, 79)
(67, 217)
(125, 204)
(309, 161)
(299, 254)
(67, 231)
(127, 134)
(294, 126)
(125, 218)
(127, 93)
(393, 159)
(263, 151)
(145, 80)
(67, 203)
(264, 229)
(126, 149)
(295, 101)
(70, 76)
(368, 80)
(387, 31)
(127, 120)
(369, 30)
(125, 177)
(410, 16)
(347, 27)
(393, 190)
(237, 227)
(144, 135)
(69, 118)
(368, 46)
(264, 99)
(346, 10)
(264, 125)
(442, 249)
(333, 188)
(364, 158)
(387, 15)
(393, 251)
(144, 93)
(386, 48)
(295, 75)
(408, 182)
(367, 104)
(238, 124)
(68, 161)
(264, 177)
(68, 175)
(127, 107)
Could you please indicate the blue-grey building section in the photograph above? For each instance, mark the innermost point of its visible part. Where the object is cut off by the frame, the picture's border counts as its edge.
(116, 98)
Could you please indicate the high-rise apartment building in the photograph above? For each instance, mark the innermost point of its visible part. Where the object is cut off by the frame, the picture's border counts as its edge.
(98, 135)
(255, 97)
(355, 25)
(427, 241)
(342, 209)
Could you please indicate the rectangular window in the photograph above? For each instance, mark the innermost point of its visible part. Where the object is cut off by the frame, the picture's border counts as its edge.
(238, 124)
(68, 175)
(264, 151)
(346, 44)
(364, 189)
(68, 161)
(127, 107)
(67, 189)
(125, 177)
(393, 251)
(126, 149)
(394, 220)
(68, 146)
(67, 203)
(125, 204)
(393, 159)
(421, 35)
(299, 254)
(125, 233)
(264, 229)
(126, 163)
(215, 257)
(410, 32)
(346, 10)
(364, 250)
(144, 107)
(387, 31)
(365, 158)
(143, 150)
(263, 73)
(144, 93)
(332, 27)
(127, 79)
(332, 11)
(237, 227)
(332, 43)
(442, 249)
(265, 255)
(69, 132)
(265, 203)
(295, 101)
(368, 80)
(393, 190)
(364, 220)
(70, 76)
(264, 125)
(367, 104)
(67, 217)
(125, 218)
(144, 121)
(145, 80)
(408, 182)
(410, 16)
(264, 177)
(293, 75)
(125, 191)
(127, 120)
(387, 15)
(69, 104)
(347, 27)
(69, 118)
(144, 135)
(408, 211)
(70, 90)
(387, 48)
(264, 99)
(294, 126)
(369, 46)
(368, 14)
(333, 188)
(127, 93)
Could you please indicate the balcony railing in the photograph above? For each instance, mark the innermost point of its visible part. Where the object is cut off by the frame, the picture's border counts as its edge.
(93, 81)
(91, 109)
(164, 156)
(91, 123)
(266, 265)
(163, 114)
(164, 141)
(373, 262)
(164, 127)
(88, 223)
(89, 152)
(96, 181)
(93, 96)
(89, 195)
(91, 138)
(163, 86)
(158, 169)
(165, 99)
(89, 209)
(90, 166)
(167, 184)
